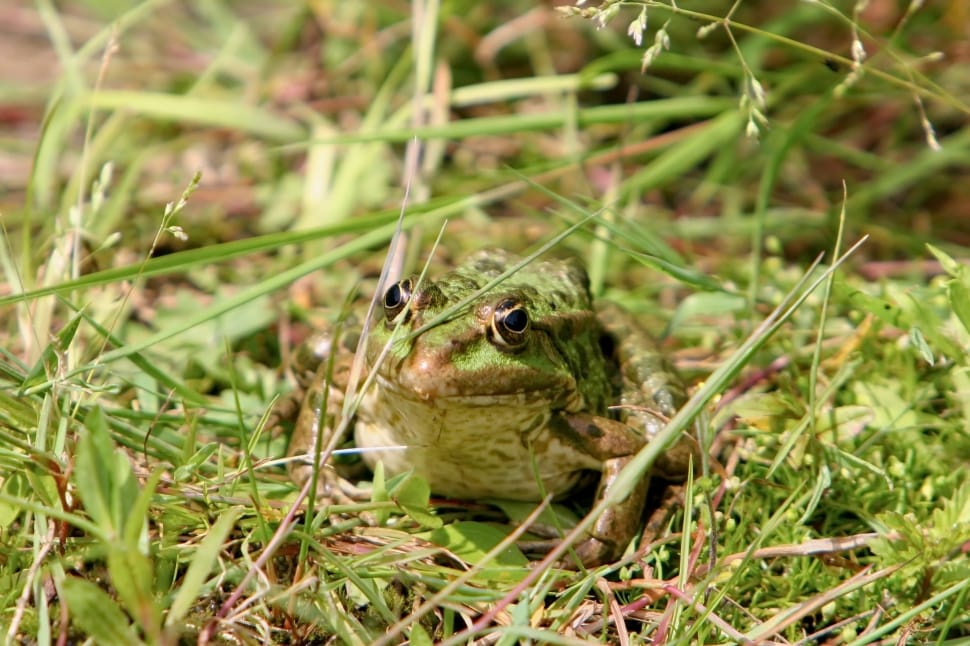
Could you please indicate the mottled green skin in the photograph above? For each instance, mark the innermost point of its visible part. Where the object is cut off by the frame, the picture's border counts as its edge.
(458, 356)
(484, 419)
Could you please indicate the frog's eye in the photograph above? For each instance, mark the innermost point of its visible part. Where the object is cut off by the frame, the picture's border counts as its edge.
(510, 323)
(396, 298)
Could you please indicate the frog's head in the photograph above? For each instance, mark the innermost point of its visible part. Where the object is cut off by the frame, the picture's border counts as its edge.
(534, 335)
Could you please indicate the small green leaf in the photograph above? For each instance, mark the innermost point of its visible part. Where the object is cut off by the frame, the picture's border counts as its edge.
(133, 578)
(846, 422)
(889, 409)
(552, 516)
(919, 342)
(882, 309)
(472, 541)
(413, 495)
(15, 486)
(412, 491)
(948, 264)
(379, 492)
(422, 516)
(44, 487)
(958, 294)
(103, 475)
(97, 614)
(418, 636)
(135, 523)
(187, 470)
(931, 326)
(92, 473)
(47, 364)
(66, 334)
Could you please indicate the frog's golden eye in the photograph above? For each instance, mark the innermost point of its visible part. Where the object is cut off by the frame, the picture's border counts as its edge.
(396, 298)
(510, 323)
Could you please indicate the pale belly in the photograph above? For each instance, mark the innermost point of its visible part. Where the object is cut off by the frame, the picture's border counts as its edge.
(488, 450)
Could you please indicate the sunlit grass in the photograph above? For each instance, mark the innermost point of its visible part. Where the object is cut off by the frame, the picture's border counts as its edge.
(146, 319)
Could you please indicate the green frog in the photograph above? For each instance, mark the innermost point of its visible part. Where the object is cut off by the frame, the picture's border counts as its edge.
(520, 392)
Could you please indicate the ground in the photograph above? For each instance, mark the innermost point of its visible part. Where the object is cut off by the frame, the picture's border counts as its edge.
(189, 190)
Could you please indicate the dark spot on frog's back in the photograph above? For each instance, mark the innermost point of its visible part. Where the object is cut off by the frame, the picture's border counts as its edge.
(607, 344)
(428, 296)
(592, 430)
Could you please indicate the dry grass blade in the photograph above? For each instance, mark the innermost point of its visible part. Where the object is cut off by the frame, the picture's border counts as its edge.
(701, 157)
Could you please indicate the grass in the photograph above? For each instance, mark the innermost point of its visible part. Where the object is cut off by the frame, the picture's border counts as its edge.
(187, 188)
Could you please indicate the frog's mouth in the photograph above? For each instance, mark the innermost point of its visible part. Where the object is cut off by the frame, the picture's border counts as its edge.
(465, 391)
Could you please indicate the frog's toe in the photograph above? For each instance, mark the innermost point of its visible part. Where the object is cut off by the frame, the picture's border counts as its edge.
(337, 491)
(349, 491)
(591, 552)
(331, 488)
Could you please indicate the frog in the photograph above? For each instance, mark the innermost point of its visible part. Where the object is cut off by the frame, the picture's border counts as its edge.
(523, 390)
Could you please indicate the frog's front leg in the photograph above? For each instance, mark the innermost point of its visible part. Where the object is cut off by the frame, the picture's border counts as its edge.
(311, 435)
(650, 391)
(614, 444)
(315, 425)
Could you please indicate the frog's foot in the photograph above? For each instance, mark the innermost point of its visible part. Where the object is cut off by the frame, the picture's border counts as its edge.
(537, 548)
(590, 552)
(351, 492)
(672, 500)
(332, 489)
